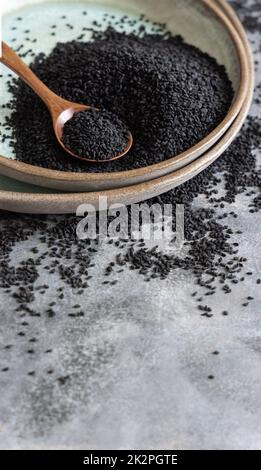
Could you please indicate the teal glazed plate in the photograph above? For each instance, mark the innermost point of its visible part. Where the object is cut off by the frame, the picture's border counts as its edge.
(202, 23)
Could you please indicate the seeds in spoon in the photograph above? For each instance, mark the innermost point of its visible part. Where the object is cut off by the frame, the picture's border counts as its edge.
(95, 135)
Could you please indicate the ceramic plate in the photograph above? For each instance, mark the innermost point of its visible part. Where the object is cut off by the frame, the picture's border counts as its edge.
(200, 22)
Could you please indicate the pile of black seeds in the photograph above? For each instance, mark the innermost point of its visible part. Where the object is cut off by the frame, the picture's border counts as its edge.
(98, 135)
(214, 256)
(170, 95)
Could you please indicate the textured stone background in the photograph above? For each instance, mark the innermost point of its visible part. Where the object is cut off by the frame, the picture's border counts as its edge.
(133, 373)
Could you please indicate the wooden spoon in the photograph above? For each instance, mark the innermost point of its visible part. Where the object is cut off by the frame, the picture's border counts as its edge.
(61, 110)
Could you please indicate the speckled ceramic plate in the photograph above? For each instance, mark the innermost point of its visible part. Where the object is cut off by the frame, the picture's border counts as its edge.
(200, 22)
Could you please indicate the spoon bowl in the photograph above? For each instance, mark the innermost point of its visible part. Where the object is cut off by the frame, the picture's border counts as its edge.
(65, 116)
(60, 109)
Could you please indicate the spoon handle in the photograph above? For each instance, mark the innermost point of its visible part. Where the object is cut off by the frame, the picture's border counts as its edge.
(54, 102)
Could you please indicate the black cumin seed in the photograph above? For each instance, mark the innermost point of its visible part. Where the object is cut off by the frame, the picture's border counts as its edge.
(210, 250)
(97, 135)
(140, 65)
